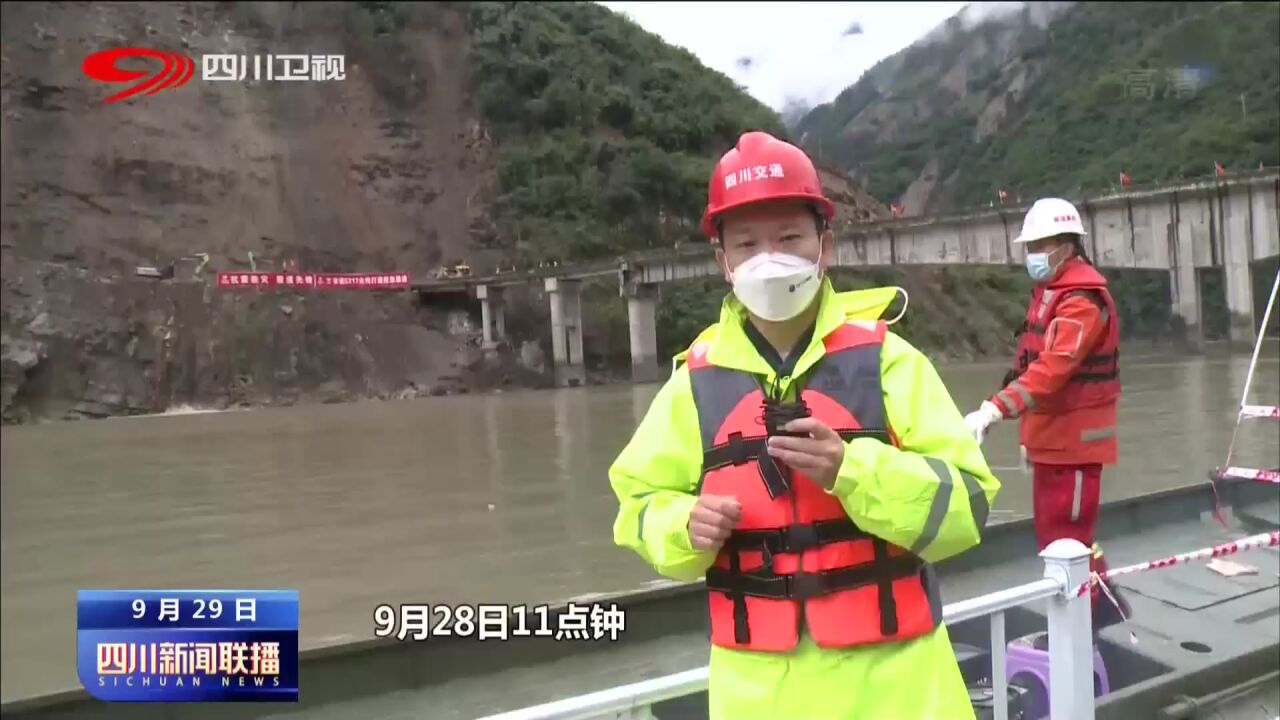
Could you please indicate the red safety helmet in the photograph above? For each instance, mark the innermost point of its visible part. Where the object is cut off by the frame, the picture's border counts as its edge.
(761, 168)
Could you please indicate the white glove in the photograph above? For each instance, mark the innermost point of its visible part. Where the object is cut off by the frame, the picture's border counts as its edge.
(980, 420)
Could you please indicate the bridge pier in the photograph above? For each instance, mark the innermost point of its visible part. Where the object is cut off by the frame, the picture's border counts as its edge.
(642, 316)
(1184, 286)
(566, 331)
(492, 316)
(1239, 290)
(1239, 223)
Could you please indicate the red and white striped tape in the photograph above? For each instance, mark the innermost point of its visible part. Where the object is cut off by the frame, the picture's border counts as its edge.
(1260, 411)
(1243, 473)
(1261, 540)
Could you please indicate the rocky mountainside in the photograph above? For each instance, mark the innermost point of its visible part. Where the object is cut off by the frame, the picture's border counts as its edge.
(1059, 97)
(491, 133)
(316, 176)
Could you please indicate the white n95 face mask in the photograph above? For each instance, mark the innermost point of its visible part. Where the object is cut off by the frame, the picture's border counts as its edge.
(776, 286)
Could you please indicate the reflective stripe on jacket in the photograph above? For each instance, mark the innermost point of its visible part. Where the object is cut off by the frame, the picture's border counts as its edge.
(1068, 368)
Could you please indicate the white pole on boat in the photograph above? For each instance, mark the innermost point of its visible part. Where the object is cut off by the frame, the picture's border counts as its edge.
(1253, 362)
(1069, 618)
(1262, 333)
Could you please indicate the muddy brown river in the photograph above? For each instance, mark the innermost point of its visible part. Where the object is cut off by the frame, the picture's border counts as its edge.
(499, 498)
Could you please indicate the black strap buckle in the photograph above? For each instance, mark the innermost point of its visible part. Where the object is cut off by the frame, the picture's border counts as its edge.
(794, 538)
(737, 450)
(767, 584)
(754, 584)
(803, 586)
(798, 538)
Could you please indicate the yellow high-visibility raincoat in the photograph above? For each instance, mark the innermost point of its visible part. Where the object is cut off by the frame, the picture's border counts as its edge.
(888, 492)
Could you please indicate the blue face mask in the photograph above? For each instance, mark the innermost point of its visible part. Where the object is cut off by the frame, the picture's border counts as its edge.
(1039, 266)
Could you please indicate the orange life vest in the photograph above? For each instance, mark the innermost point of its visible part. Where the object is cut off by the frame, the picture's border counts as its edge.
(796, 556)
(1077, 423)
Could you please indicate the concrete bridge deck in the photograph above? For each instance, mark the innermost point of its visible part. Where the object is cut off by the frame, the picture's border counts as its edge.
(1226, 222)
(576, 271)
(985, 236)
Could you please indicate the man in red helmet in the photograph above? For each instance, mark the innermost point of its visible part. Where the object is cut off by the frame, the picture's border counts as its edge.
(809, 465)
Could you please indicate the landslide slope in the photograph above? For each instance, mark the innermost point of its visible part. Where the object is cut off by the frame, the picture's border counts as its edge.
(491, 133)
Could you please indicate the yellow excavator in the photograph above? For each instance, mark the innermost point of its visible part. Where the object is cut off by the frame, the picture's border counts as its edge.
(167, 272)
(460, 270)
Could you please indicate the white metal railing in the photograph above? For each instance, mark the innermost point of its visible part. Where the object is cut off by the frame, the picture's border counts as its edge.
(1066, 568)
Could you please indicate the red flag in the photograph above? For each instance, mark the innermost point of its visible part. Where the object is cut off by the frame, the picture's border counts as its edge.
(1124, 178)
(1217, 168)
(896, 209)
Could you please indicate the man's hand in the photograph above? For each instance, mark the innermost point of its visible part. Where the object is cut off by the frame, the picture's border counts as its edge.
(712, 519)
(818, 456)
(981, 420)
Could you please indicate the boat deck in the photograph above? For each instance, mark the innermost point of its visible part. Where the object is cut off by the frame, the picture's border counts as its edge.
(1186, 619)
(1258, 703)
(1197, 632)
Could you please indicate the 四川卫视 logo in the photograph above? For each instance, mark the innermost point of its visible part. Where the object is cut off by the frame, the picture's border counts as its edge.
(177, 69)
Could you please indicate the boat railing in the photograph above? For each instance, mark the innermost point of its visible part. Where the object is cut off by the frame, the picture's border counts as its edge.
(1071, 687)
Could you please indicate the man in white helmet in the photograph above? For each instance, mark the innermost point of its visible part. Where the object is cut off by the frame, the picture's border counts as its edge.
(1064, 384)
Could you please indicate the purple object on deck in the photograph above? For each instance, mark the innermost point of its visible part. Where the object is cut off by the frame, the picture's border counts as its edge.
(1027, 659)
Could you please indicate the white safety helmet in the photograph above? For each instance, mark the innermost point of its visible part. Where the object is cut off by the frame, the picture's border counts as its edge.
(1049, 217)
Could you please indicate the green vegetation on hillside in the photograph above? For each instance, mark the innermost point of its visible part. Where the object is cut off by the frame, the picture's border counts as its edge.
(606, 135)
(1093, 115)
(1159, 90)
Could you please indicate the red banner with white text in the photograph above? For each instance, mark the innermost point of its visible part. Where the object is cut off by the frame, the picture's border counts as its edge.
(311, 281)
